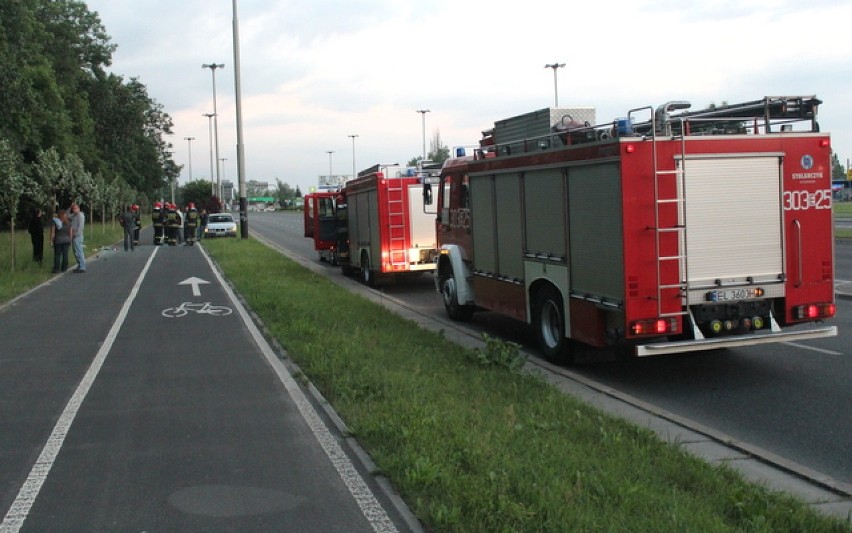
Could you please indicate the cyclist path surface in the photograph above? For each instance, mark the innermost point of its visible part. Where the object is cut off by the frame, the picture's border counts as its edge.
(139, 397)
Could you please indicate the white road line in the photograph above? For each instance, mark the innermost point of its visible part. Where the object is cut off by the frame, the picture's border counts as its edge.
(812, 348)
(20, 508)
(364, 497)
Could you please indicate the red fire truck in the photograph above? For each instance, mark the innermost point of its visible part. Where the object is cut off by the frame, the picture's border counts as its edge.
(388, 230)
(666, 231)
(321, 224)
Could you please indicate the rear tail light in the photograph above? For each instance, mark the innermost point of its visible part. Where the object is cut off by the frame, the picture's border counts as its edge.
(814, 311)
(654, 326)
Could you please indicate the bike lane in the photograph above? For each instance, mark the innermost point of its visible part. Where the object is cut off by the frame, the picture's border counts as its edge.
(188, 425)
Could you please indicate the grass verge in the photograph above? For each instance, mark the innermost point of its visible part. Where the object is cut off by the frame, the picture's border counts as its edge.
(474, 446)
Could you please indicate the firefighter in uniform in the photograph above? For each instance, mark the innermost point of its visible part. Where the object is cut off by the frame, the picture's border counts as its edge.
(190, 224)
(157, 219)
(137, 215)
(172, 224)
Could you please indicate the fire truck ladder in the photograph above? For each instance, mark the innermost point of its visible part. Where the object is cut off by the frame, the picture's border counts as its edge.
(398, 230)
(679, 229)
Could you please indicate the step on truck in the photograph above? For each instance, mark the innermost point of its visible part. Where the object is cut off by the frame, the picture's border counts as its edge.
(388, 230)
(668, 230)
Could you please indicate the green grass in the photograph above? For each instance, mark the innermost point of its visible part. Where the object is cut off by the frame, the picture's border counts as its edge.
(473, 446)
(843, 208)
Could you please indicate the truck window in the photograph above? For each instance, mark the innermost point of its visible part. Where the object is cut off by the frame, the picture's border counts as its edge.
(326, 207)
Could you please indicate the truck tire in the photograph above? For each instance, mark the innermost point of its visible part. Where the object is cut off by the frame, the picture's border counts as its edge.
(549, 324)
(455, 310)
(366, 274)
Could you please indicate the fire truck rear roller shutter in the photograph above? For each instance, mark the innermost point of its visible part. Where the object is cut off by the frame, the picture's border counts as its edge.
(733, 219)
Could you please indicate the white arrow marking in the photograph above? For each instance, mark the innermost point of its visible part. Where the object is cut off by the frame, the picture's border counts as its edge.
(195, 282)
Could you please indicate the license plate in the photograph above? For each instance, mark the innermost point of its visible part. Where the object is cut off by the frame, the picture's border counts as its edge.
(734, 295)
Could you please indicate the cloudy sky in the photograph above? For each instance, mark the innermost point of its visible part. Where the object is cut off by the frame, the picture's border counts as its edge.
(314, 72)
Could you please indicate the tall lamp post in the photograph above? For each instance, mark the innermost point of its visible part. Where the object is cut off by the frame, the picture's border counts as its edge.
(423, 113)
(241, 156)
(555, 66)
(222, 161)
(210, 126)
(329, 152)
(353, 153)
(189, 146)
(213, 67)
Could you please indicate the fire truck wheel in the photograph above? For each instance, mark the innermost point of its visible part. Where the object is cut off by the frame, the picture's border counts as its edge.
(455, 310)
(366, 273)
(549, 324)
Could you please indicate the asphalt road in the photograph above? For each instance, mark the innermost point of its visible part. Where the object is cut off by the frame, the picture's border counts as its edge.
(141, 397)
(792, 400)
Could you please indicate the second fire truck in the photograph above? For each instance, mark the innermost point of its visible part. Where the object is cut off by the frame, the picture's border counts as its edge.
(387, 228)
(375, 225)
(668, 230)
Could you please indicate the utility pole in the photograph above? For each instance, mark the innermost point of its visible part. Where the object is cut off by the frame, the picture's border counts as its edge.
(189, 146)
(423, 112)
(213, 67)
(353, 153)
(555, 66)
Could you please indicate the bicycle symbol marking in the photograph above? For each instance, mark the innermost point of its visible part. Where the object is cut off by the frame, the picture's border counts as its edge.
(200, 308)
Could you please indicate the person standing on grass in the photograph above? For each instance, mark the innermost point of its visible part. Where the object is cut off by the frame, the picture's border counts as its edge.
(36, 230)
(128, 222)
(78, 222)
(61, 235)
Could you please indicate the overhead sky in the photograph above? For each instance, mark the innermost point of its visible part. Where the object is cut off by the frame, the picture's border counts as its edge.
(314, 72)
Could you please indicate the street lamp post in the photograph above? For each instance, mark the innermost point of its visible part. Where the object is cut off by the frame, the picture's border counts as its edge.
(423, 113)
(329, 152)
(210, 126)
(213, 67)
(222, 161)
(353, 153)
(167, 156)
(189, 146)
(238, 107)
(555, 66)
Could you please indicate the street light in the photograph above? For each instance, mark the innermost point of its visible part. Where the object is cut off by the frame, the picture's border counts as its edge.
(210, 126)
(213, 67)
(423, 112)
(555, 66)
(353, 153)
(329, 152)
(189, 146)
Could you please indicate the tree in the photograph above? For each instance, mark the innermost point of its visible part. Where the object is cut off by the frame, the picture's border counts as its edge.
(285, 195)
(838, 171)
(438, 152)
(48, 172)
(58, 101)
(197, 192)
(15, 185)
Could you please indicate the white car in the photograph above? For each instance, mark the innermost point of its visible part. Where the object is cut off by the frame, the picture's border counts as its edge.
(220, 225)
